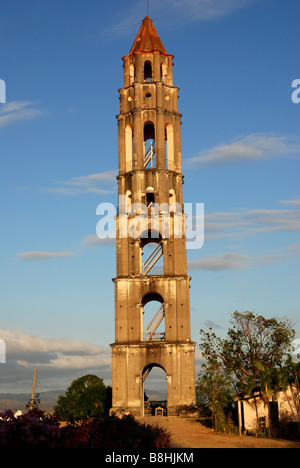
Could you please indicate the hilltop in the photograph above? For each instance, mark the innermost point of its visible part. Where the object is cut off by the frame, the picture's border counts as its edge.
(18, 401)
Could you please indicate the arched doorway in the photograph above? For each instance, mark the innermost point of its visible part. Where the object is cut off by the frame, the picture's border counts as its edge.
(154, 390)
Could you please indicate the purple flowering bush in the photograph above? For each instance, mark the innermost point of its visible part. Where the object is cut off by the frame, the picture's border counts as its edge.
(37, 429)
(32, 429)
(114, 433)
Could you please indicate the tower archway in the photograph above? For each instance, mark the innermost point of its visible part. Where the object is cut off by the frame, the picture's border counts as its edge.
(152, 262)
(149, 145)
(128, 148)
(153, 315)
(169, 139)
(154, 390)
(147, 71)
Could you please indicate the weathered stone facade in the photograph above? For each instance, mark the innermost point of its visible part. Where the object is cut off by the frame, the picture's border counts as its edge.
(150, 174)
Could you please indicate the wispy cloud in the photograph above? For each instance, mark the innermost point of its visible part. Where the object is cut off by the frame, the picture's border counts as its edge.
(17, 111)
(39, 256)
(254, 147)
(295, 203)
(198, 10)
(235, 261)
(236, 225)
(171, 13)
(92, 183)
(92, 240)
(210, 324)
(226, 261)
(249, 222)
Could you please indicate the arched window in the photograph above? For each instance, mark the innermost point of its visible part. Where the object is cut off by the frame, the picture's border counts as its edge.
(153, 317)
(149, 145)
(163, 72)
(128, 148)
(169, 136)
(152, 257)
(132, 77)
(151, 253)
(150, 196)
(128, 201)
(147, 71)
(149, 131)
(172, 198)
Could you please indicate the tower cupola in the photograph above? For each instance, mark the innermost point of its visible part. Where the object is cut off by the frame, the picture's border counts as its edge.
(149, 122)
(147, 59)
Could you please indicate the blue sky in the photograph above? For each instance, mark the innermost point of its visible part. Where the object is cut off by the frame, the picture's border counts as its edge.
(235, 61)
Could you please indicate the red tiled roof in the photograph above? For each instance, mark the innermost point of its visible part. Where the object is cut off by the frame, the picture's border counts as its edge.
(147, 39)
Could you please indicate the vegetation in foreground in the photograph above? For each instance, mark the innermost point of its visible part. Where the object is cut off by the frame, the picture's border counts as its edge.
(80, 420)
(255, 355)
(37, 429)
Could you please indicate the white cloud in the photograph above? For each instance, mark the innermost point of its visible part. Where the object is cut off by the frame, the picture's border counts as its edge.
(19, 343)
(254, 147)
(236, 225)
(171, 13)
(197, 10)
(295, 248)
(221, 262)
(58, 360)
(92, 240)
(234, 261)
(37, 256)
(61, 361)
(295, 203)
(92, 183)
(250, 222)
(18, 111)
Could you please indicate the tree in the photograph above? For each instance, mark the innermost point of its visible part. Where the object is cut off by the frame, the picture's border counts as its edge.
(84, 399)
(214, 390)
(252, 345)
(256, 350)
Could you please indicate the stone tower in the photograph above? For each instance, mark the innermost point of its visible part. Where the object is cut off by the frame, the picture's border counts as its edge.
(150, 238)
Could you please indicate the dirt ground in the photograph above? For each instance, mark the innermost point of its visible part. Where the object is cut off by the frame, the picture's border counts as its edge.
(190, 433)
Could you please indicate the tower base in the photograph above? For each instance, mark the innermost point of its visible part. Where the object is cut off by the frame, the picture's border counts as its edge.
(177, 411)
(131, 364)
